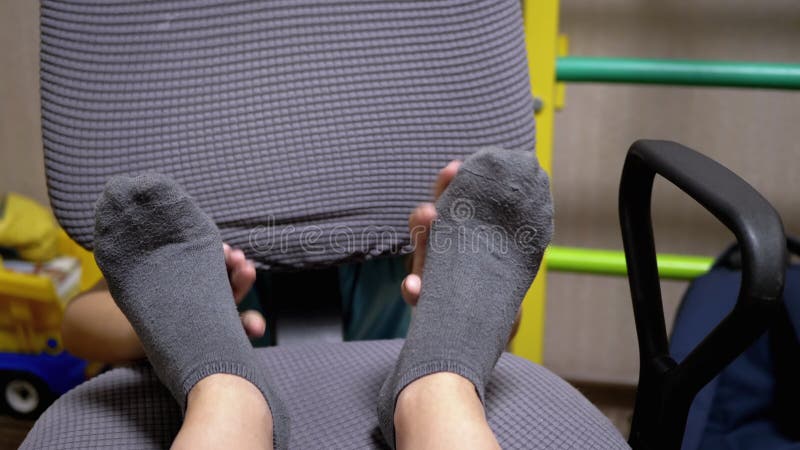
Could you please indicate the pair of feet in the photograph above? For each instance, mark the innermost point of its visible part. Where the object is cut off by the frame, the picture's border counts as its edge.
(163, 260)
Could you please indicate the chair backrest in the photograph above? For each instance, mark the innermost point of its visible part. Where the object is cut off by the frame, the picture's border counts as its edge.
(308, 129)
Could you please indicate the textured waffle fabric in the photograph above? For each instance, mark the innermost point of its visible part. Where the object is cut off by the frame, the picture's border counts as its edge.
(307, 129)
(330, 391)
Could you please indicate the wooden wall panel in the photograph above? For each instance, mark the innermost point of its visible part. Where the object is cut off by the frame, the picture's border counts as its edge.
(756, 133)
(21, 161)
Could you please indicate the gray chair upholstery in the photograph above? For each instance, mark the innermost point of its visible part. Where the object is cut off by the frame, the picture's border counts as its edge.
(332, 390)
(308, 130)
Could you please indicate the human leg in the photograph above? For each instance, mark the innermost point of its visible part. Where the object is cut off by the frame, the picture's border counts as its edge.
(164, 263)
(225, 411)
(441, 410)
(494, 222)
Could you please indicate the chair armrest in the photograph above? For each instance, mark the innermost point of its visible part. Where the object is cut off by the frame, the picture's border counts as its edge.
(667, 388)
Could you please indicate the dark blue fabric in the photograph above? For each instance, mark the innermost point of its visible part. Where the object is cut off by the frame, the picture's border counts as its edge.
(371, 302)
(736, 409)
(372, 306)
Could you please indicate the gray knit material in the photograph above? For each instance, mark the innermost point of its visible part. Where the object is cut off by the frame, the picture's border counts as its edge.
(330, 392)
(494, 221)
(294, 124)
(164, 263)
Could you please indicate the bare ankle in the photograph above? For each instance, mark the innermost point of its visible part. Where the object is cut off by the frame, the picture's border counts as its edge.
(437, 384)
(225, 384)
(437, 408)
(228, 410)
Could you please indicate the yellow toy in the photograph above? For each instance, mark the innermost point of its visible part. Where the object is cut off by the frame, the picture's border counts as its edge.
(34, 369)
(27, 227)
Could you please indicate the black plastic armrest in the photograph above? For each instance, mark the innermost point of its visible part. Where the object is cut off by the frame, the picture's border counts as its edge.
(666, 388)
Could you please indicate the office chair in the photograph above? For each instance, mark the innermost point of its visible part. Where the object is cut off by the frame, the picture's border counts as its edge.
(308, 130)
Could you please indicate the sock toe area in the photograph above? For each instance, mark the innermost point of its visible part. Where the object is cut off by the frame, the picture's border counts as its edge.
(499, 187)
(145, 212)
(142, 190)
(517, 169)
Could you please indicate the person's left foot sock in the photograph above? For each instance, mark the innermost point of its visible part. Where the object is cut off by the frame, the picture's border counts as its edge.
(494, 221)
(164, 263)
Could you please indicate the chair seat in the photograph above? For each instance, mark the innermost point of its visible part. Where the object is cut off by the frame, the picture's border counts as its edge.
(330, 391)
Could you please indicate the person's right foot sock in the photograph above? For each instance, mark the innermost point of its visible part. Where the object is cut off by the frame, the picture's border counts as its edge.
(164, 263)
(494, 221)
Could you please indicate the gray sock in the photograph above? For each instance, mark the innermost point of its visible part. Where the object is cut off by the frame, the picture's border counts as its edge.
(164, 263)
(494, 222)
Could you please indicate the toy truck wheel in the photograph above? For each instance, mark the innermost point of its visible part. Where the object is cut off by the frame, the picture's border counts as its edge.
(23, 395)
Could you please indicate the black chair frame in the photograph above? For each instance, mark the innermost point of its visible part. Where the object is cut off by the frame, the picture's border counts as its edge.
(666, 387)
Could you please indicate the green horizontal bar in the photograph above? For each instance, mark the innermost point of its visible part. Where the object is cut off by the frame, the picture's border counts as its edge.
(679, 72)
(612, 262)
